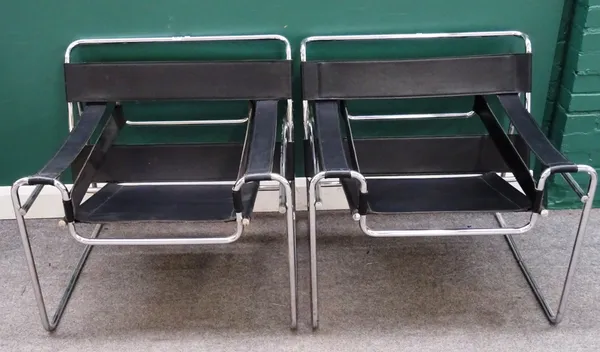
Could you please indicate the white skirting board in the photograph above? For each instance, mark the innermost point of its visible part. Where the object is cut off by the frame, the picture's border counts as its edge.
(48, 204)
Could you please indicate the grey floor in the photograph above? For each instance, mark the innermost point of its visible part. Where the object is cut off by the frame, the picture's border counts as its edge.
(434, 294)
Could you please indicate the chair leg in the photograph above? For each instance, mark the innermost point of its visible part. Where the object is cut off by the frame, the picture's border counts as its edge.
(50, 325)
(290, 214)
(554, 318)
(292, 258)
(312, 223)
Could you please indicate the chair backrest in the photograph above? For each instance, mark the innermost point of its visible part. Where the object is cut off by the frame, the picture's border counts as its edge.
(416, 78)
(138, 81)
(183, 80)
(437, 77)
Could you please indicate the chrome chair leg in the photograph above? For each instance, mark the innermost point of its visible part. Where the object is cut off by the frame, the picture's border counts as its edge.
(292, 256)
(556, 317)
(20, 211)
(312, 223)
(50, 325)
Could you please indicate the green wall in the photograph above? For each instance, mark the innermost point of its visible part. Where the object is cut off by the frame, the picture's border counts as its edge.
(34, 35)
(575, 124)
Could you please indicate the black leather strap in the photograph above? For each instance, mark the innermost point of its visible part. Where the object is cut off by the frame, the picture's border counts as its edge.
(434, 155)
(259, 150)
(308, 159)
(290, 163)
(130, 81)
(331, 152)
(40, 180)
(450, 76)
(531, 133)
(90, 119)
(329, 138)
(96, 156)
(506, 148)
(158, 203)
(260, 143)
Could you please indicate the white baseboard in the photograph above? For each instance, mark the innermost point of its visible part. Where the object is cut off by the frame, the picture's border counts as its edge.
(48, 204)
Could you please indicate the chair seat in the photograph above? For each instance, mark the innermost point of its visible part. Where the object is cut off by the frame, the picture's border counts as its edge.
(485, 193)
(130, 203)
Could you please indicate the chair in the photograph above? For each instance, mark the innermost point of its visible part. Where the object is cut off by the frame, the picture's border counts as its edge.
(167, 182)
(433, 174)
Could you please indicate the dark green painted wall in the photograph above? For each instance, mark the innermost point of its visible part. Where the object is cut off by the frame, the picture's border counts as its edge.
(34, 35)
(575, 126)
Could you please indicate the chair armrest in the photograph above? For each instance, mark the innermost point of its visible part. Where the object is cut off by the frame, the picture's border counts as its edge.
(91, 118)
(331, 153)
(533, 136)
(259, 146)
(257, 161)
(507, 150)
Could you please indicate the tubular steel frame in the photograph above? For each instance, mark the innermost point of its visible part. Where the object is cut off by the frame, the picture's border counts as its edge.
(285, 189)
(314, 199)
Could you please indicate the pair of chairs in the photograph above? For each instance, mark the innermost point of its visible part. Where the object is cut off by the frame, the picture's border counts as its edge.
(220, 181)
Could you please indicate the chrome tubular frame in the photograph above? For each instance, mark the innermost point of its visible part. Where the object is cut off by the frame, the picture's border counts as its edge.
(450, 115)
(20, 212)
(187, 123)
(291, 233)
(286, 191)
(586, 197)
(50, 325)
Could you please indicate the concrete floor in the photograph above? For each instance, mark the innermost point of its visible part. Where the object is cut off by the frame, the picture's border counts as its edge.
(428, 294)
